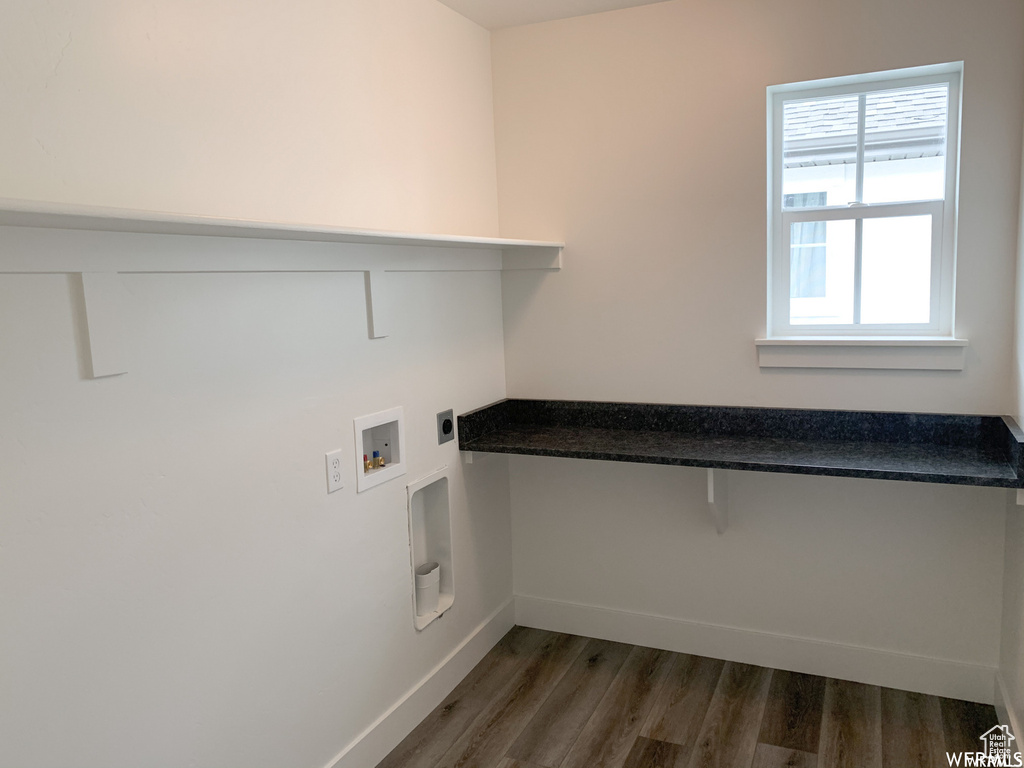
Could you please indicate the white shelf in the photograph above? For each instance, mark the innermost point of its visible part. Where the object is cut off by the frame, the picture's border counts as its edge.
(56, 238)
(31, 213)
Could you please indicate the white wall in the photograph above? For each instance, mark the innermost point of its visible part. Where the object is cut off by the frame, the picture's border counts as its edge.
(1011, 659)
(639, 137)
(177, 586)
(367, 113)
(888, 583)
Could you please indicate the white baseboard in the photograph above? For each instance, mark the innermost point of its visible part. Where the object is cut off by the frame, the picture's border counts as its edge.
(1007, 713)
(923, 674)
(373, 744)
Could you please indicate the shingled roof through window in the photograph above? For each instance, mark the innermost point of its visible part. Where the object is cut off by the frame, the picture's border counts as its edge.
(898, 124)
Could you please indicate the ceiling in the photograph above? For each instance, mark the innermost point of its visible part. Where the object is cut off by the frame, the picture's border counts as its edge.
(495, 14)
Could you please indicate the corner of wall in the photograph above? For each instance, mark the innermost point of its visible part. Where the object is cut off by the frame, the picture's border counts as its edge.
(1010, 677)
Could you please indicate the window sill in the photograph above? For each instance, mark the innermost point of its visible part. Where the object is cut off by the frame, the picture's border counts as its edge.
(922, 353)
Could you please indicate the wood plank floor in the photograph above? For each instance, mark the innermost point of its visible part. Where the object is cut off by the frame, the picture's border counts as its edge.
(547, 700)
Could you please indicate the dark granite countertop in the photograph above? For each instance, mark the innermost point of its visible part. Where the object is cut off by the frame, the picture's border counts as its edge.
(931, 448)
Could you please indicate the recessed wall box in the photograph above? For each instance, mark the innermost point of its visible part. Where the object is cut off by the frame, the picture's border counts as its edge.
(383, 432)
(430, 546)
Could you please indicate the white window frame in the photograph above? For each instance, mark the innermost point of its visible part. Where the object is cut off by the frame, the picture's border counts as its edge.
(943, 212)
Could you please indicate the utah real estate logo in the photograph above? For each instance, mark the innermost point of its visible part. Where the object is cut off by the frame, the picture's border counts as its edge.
(996, 750)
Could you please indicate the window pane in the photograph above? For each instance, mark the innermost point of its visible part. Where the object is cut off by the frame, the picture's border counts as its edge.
(821, 272)
(905, 144)
(819, 150)
(807, 260)
(896, 269)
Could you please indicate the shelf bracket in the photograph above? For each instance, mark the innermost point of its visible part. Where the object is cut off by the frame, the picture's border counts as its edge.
(378, 320)
(718, 499)
(104, 319)
(1020, 497)
(535, 257)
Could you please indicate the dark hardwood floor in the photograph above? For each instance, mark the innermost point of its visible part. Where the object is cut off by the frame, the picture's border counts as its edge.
(547, 700)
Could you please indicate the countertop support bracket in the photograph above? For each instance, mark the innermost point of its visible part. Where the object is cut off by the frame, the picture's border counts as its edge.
(718, 499)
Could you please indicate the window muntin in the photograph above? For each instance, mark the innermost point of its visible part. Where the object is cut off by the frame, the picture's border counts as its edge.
(863, 183)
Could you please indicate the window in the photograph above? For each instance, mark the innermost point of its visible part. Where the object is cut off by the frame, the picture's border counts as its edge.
(862, 226)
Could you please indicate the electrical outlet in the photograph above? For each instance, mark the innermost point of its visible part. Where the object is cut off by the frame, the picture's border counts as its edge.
(334, 471)
(445, 427)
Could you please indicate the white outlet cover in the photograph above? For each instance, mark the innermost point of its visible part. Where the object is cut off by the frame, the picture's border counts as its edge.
(334, 471)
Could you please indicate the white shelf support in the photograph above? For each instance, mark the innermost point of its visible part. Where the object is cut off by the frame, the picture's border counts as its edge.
(535, 257)
(1020, 497)
(104, 310)
(718, 499)
(378, 305)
